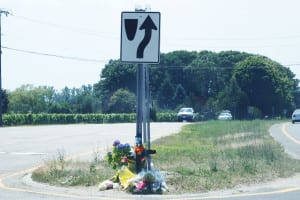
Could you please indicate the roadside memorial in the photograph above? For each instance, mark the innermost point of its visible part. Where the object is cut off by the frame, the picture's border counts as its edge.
(140, 44)
(123, 159)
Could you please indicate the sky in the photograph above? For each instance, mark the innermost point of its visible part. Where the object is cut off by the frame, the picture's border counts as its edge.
(81, 36)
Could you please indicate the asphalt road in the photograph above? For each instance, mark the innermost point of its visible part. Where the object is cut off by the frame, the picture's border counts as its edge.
(24, 148)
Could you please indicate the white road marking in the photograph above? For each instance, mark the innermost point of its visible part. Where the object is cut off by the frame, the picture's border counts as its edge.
(23, 153)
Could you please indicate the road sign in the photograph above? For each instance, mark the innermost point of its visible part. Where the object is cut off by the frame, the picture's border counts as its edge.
(140, 37)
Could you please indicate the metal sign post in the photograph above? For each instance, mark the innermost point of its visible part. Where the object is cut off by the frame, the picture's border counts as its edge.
(139, 115)
(147, 119)
(140, 43)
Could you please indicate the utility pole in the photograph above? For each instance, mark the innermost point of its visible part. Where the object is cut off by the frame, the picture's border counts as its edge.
(1, 100)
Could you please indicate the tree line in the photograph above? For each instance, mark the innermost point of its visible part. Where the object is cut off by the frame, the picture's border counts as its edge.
(246, 84)
(45, 99)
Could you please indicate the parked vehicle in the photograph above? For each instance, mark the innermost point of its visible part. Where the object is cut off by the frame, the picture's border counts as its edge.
(296, 116)
(225, 115)
(185, 114)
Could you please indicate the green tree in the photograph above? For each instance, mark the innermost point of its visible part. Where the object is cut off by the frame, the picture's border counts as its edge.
(28, 98)
(202, 79)
(114, 76)
(179, 95)
(165, 94)
(234, 99)
(76, 100)
(5, 101)
(122, 101)
(206, 77)
(268, 85)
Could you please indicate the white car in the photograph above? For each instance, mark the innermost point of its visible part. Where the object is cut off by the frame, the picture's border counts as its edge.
(185, 114)
(225, 116)
(296, 116)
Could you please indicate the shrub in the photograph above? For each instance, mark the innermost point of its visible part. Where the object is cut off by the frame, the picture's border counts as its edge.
(44, 118)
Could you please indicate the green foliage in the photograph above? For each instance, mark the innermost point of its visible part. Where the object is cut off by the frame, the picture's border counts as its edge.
(209, 82)
(5, 101)
(166, 94)
(166, 117)
(30, 99)
(43, 99)
(234, 99)
(113, 77)
(205, 80)
(36, 119)
(179, 95)
(119, 155)
(122, 101)
(268, 85)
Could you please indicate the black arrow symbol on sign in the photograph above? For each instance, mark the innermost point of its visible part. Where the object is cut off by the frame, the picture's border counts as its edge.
(148, 25)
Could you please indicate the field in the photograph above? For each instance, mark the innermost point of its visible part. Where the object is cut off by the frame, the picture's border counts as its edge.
(202, 157)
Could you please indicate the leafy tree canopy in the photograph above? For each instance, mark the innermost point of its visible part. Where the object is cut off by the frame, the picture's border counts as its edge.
(225, 79)
(205, 80)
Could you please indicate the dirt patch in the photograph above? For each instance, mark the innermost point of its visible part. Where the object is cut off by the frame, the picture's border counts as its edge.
(235, 136)
(238, 140)
(235, 145)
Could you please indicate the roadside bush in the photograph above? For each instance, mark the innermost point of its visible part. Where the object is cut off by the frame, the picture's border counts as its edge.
(166, 117)
(36, 119)
(95, 118)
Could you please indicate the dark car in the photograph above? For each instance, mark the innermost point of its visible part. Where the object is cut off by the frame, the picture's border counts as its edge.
(185, 114)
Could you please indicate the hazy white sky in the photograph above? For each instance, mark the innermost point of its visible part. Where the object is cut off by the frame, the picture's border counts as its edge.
(91, 29)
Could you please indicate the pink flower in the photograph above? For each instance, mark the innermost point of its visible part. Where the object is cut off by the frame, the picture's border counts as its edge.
(124, 159)
(141, 185)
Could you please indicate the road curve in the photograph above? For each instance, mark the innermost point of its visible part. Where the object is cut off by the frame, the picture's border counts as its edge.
(24, 148)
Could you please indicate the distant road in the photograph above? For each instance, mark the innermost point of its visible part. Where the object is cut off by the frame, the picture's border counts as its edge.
(23, 148)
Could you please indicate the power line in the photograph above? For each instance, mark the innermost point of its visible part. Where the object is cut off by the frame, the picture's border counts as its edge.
(192, 39)
(103, 61)
(69, 28)
(56, 55)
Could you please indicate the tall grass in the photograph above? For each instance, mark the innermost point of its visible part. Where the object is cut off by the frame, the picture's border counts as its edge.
(218, 154)
(60, 171)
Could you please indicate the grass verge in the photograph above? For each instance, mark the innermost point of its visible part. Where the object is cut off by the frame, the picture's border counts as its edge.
(202, 157)
(63, 172)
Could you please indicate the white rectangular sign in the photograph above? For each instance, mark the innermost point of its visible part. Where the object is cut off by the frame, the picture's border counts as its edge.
(140, 37)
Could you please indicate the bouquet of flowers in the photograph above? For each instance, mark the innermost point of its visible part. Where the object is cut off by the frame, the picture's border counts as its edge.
(119, 155)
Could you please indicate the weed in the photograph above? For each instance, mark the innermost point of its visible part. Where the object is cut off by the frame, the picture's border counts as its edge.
(59, 171)
(213, 162)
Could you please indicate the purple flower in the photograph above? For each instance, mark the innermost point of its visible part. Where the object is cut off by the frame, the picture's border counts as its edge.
(122, 147)
(126, 146)
(116, 143)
